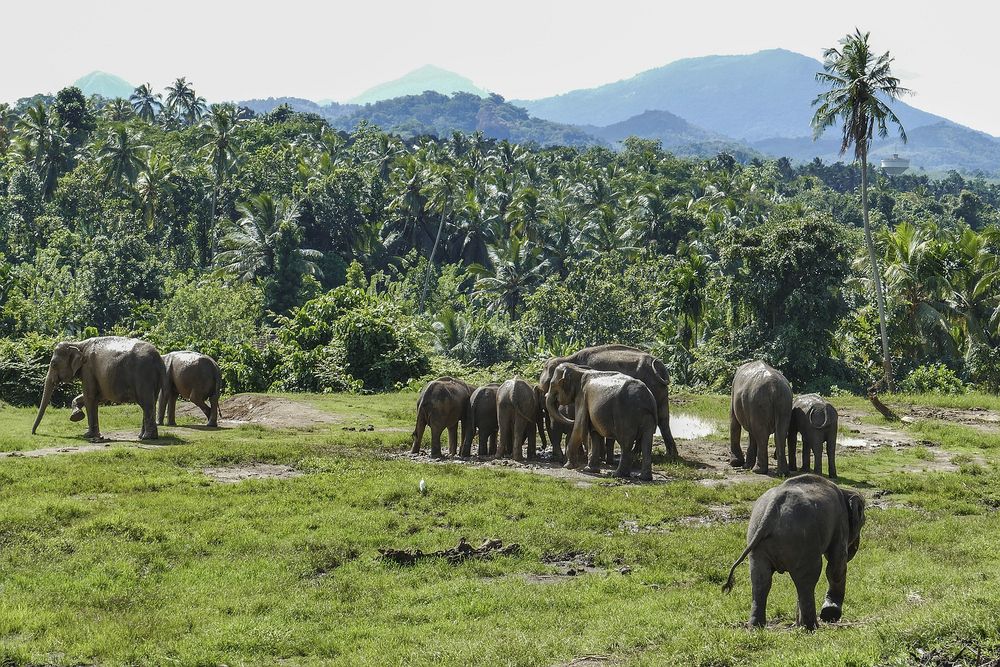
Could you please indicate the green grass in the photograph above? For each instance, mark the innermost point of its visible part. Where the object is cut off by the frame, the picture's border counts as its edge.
(134, 556)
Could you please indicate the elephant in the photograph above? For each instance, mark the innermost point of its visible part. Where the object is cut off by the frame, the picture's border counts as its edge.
(761, 404)
(193, 376)
(519, 415)
(443, 404)
(482, 418)
(816, 419)
(606, 404)
(792, 526)
(113, 370)
(557, 431)
(632, 362)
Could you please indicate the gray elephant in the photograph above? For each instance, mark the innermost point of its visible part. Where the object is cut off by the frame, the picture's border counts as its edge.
(792, 527)
(112, 369)
(193, 376)
(816, 419)
(443, 404)
(632, 362)
(482, 418)
(558, 431)
(519, 415)
(605, 404)
(761, 404)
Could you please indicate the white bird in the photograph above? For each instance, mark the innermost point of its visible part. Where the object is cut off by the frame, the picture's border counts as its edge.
(423, 488)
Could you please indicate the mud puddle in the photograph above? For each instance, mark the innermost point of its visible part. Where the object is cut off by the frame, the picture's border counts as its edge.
(262, 409)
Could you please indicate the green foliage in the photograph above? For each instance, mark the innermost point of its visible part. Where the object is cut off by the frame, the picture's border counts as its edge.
(932, 378)
(23, 364)
(198, 310)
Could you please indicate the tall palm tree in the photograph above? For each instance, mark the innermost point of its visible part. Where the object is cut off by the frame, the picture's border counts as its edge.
(146, 103)
(42, 142)
(121, 157)
(184, 102)
(516, 267)
(859, 81)
(440, 192)
(118, 110)
(220, 149)
(7, 120)
(155, 180)
(252, 245)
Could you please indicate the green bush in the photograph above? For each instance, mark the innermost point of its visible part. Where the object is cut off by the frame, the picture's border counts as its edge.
(382, 346)
(23, 365)
(932, 378)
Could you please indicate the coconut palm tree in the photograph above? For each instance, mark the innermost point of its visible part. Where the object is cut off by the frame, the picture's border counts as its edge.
(184, 102)
(121, 157)
(861, 88)
(42, 143)
(440, 192)
(118, 110)
(220, 148)
(146, 103)
(155, 180)
(516, 267)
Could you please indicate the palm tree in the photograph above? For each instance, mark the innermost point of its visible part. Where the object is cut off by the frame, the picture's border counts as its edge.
(858, 80)
(154, 181)
(516, 267)
(440, 191)
(220, 149)
(252, 246)
(6, 127)
(118, 110)
(42, 142)
(146, 103)
(121, 157)
(182, 101)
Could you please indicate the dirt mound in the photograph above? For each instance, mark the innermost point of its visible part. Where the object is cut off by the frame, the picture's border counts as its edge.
(272, 411)
(241, 473)
(981, 418)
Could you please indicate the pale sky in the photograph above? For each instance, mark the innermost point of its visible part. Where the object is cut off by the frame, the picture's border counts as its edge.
(945, 51)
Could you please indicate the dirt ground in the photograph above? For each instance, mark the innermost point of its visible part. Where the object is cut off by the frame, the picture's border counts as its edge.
(240, 473)
(271, 411)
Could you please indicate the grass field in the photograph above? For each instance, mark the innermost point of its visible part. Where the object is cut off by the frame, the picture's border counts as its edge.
(133, 555)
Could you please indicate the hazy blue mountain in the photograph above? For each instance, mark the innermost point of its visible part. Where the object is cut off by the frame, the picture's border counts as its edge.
(671, 130)
(440, 115)
(330, 111)
(416, 82)
(759, 96)
(106, 85)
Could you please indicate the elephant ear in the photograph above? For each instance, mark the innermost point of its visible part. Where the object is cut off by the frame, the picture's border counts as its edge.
(855, 512)
(75, 358)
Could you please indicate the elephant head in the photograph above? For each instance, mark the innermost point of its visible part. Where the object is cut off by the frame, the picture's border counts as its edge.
(562, 391)
(818, 415)
(855, 519)
(67, 359)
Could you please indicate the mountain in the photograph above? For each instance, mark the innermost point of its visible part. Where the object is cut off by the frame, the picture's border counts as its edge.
(416, 82)
(106, 85)
(331, 111)
(675, 135)
(759, 96)
(440, 115)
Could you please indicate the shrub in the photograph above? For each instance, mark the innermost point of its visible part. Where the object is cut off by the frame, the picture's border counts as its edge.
(932, 378)
(382, 346)
(23, 365)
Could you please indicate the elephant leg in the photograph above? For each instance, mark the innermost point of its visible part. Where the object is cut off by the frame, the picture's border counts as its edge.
(817, 449)
(202, 405)
(493, 444)
(793, 438)
(484, 439)
(213, 417)
(172, 409)
(624, 468)
(807, 450)
(758, 442)
(468, 435)
(532, 444)
(609, 451)
(645, 442)
(93, 422)
(149, 431)
(805, 578)
(557, 453)
(780, 436)
(761, 573)
(453, 440)
(735, 451)
(161, 406)
(506, 435)
(596, 445)
(663, 413)
(831, 453)
(517, 444)
(436, 441)
(751, 451)
(418, 434)
(836, 576)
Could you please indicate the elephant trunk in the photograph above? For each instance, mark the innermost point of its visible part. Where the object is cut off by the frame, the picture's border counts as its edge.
(553, 409)
(814, 418)
(50, 387)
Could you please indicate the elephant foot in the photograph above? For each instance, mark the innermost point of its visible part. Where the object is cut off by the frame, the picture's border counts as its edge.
(209, 424)
(174, 423)
(149, 435)
(77, 415)
(757, 623)
(760, 470)
(597, 469)
(436, 455)
(646, 476)
(830, 613)
(737, 463)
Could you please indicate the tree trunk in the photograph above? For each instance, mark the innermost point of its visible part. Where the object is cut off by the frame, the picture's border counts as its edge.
(876, 274)
(430, 262)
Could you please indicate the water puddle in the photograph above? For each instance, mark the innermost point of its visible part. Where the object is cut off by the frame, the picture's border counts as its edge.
(689, 427)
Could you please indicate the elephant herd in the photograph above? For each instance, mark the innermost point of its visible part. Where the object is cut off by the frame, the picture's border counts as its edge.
(613, 393)
(113, 369)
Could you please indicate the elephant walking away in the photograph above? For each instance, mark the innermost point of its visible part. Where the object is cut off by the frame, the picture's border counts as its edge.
(113, 370)
(816, 419)
(193, 376)
(605, 405)
(792, 526)
(761, 404)
(482, 418)
(519, 416)
(443, 404)
(632, 362)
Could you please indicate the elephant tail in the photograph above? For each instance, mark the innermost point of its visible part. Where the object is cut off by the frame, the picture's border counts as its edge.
(218, 390)
(752, 542)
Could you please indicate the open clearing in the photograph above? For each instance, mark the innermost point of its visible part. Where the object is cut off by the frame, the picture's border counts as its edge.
(259, 543)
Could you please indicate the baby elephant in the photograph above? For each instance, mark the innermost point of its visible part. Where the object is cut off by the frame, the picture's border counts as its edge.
(443, 405)
(816, 419)
(791, 527)
(483, 418)
(193, 376)
(519, 416)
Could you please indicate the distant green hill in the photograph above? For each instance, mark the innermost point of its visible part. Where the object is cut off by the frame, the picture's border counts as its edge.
(106, 85)
(418, 81)
(440, 115)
